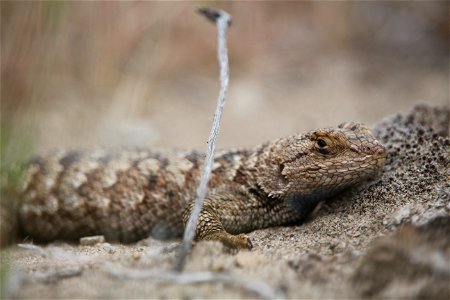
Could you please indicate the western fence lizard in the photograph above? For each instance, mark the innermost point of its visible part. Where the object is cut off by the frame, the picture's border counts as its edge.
(128, 195)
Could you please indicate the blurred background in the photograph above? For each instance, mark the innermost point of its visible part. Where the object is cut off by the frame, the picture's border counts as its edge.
(108, 73)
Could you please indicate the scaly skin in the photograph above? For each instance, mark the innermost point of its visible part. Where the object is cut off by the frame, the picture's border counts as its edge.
(129, 195)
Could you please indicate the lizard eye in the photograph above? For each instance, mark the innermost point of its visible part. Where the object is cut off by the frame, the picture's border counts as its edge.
(321, 143)
(323, 147)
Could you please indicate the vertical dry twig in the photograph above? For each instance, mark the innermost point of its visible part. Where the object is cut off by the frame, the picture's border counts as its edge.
(222, 20)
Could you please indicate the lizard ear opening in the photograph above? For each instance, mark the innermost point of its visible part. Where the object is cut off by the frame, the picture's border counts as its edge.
(271, 179)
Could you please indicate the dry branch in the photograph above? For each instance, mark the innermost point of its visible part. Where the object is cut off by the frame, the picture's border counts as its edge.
(222, 20)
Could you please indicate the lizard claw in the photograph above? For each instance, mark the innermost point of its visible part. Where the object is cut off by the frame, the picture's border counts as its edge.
(249, 244)
(244, 241)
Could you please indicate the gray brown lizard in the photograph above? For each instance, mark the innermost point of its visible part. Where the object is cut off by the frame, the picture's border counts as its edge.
(128, 195)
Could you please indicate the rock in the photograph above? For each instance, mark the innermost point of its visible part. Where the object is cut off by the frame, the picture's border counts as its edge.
(92, 240)
(412, 263)
(108, 248)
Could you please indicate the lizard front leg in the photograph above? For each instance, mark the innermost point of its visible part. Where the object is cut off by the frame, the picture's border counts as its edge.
(209, 227)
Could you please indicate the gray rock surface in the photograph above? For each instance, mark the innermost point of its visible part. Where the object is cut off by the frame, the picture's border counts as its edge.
(414, 263)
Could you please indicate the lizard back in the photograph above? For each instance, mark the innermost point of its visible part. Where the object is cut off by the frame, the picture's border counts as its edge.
(123, 194)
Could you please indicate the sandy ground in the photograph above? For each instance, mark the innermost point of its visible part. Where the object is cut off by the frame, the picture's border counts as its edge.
(388, 238)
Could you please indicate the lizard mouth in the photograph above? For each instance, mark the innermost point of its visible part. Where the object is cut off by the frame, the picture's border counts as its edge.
(381, 161)
(380, 155)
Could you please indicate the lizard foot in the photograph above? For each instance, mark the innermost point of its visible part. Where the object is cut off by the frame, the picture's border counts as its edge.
(244, 241)
(240, 241)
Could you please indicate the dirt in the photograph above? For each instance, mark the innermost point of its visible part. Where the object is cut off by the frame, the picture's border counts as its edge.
(387, 238)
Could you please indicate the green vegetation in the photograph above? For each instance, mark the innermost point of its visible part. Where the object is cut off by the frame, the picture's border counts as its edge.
(14, 151)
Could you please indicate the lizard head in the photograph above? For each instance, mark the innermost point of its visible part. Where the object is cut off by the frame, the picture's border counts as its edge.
(320, 162)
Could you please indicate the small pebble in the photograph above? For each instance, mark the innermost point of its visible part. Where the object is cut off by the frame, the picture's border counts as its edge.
(92, 240)
(108, 248)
